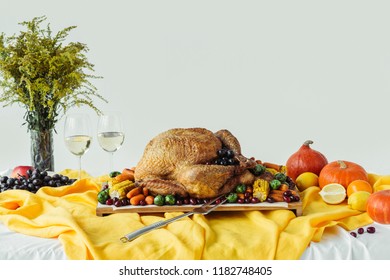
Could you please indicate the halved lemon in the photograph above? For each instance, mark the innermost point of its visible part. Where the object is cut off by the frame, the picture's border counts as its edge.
(333, 193)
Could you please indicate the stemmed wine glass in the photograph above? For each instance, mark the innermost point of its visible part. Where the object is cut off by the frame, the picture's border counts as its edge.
(110, 134)
(77, 134)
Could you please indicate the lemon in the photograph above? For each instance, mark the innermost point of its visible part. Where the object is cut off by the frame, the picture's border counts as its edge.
(306, 180)
(333, 193)
(358, 200)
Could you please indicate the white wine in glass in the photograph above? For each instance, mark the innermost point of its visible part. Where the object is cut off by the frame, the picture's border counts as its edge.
(110, 134)
(77, 135)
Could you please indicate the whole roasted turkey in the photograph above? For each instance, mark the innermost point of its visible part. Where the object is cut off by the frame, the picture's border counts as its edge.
(182, 161)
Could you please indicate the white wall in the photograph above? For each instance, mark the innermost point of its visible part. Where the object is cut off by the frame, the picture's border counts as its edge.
(275, 73)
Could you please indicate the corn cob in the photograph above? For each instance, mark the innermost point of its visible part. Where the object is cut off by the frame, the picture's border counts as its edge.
(120, 190)
(261, 189)
(283, 169)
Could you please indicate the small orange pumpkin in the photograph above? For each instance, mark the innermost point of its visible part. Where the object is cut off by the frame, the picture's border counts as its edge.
(305, 159)
(341, 172)
(378, 207)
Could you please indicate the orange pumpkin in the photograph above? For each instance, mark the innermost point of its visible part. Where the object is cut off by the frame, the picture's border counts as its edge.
(378, 207)
(305, 160)
(341, 172)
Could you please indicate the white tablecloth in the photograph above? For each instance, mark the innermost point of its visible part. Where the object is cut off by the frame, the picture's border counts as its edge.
(336, 244)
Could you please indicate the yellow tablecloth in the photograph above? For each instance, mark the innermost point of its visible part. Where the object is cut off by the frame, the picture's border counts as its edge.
(68, 213)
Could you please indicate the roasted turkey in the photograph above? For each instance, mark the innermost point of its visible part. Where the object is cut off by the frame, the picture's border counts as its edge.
(181, 161)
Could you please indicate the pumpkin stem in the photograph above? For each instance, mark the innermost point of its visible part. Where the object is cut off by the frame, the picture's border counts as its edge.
(342, 164)
(308, 142)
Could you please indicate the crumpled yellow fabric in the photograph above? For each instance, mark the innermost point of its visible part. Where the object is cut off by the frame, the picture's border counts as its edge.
(68, 213)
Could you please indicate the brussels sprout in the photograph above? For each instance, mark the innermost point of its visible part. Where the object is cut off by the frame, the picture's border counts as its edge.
(170, 199)
(241, 188)
(159, 200)
(275, 184)
(258, 169)
(113, 174)
(281, 177)
(103, 196)
(232, 197)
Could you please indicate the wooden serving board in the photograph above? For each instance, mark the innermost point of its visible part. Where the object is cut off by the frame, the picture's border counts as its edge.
(102, 210)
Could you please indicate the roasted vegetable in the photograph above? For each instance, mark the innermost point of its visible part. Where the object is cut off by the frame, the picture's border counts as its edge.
(170, 199)
(103, 196)
(276, 195)
(232, 197)
(275, 184)
(159, 200)
(281, 177)
(258, 169)
(261, 189)
(113, 174)
(120, 190)
(126, 174)
(240, 188)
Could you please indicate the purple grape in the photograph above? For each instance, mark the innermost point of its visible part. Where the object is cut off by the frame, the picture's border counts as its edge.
(142, 203)
(218, 201)
(179, 202)
(371, 229)
(186, 201)
(353, 234)
(287, 193)
(193, 201)
(270, 200)
(361, 230)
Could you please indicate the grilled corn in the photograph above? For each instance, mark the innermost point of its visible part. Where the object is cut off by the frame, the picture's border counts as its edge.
(261, 189)
(120, 190)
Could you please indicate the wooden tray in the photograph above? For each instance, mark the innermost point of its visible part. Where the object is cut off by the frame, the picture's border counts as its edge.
(102, 210)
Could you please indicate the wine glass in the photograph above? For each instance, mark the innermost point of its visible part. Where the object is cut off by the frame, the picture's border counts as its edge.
(110, 134)
(77, 134)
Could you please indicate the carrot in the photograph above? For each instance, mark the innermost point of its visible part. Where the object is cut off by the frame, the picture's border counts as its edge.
(149, 200)
(145, 191)
(275, 166)
(136, 199)
(127, 174)
(134, 192)
(249, 189)
(276, 195)
(283, 187)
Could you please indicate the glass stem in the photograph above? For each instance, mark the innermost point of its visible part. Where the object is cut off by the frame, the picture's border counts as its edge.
(111, 155)
(79, 167)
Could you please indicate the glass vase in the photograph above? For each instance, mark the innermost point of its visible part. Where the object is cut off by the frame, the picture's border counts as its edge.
(42, 156)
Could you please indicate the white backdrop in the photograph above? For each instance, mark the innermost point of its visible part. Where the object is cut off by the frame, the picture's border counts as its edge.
(275, 73)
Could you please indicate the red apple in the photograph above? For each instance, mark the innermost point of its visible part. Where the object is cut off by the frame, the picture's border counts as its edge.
(20, 171)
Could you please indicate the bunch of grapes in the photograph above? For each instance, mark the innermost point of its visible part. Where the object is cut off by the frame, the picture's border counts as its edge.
(34, 180)
(225, 157)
